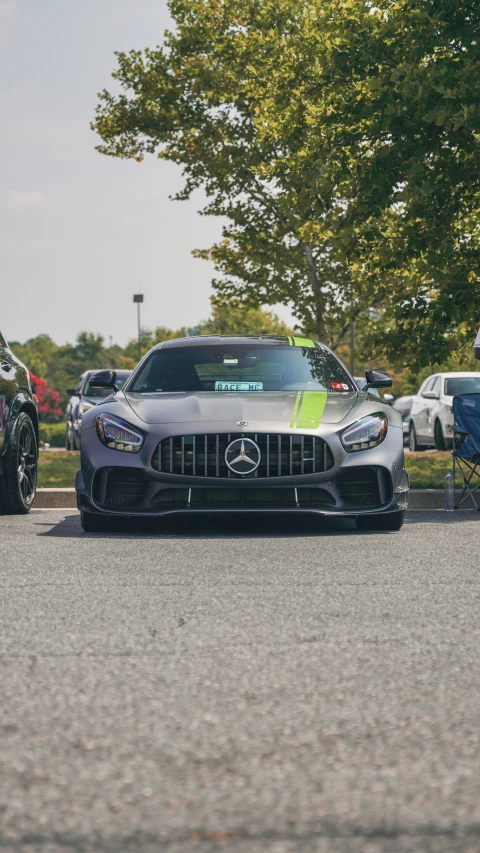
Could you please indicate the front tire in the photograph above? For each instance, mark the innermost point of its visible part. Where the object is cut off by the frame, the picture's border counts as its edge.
(18, 484)
(389, 521)
(440, 443)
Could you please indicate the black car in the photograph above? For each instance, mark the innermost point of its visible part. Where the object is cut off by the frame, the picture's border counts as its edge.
(18, 435)
(83, 398)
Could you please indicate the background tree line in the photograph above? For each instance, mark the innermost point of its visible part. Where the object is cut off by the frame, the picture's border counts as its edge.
(58, 367)
(62, 365)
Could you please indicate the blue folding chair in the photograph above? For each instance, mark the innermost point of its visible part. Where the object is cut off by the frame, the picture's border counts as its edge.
(466, 444)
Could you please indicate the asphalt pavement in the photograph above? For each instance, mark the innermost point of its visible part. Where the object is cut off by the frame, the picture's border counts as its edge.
(278, 686)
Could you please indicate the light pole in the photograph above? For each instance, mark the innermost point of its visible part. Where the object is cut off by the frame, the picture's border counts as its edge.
(138, 298)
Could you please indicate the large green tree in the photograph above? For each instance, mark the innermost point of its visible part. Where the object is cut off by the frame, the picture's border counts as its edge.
(388, 96)
(340, 139)
(199, 101)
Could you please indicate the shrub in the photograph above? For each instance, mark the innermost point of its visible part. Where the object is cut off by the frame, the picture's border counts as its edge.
(53, 434)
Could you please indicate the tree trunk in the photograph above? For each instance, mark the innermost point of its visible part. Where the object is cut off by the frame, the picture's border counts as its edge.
(318, 297)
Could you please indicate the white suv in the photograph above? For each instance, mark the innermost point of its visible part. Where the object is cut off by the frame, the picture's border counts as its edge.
(431, 418)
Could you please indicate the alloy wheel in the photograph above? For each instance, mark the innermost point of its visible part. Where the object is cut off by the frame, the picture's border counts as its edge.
(27, 463)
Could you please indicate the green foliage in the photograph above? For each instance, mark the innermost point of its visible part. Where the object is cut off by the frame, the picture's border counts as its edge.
(234, 320)
(340, 142)
(57, 469)
(53, 434)
(201, 101)
(62, 366)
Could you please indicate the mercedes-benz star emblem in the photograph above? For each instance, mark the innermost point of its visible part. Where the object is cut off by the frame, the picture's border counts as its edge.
(242, 423)
(243, 456)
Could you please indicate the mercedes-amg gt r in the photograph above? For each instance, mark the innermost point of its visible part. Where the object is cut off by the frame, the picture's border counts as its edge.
(236, 424)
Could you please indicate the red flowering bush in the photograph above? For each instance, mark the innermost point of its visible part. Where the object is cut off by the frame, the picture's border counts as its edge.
(48, 399)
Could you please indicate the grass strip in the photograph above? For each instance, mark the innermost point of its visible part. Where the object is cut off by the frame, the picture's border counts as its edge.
(57, 469)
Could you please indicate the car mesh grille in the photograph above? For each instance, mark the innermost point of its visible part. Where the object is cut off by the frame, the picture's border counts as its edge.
(119, 487)
(204, 455)
(359, 487)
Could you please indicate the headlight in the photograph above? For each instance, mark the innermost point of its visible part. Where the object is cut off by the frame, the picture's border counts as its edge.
(118, 434)
(365, 433)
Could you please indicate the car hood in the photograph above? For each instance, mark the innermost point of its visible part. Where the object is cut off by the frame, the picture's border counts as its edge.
(214, 406)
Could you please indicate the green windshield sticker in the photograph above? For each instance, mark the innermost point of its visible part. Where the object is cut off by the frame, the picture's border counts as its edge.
(303, 342)
(308, 409)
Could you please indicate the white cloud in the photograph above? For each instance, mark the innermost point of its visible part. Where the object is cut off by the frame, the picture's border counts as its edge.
(24, 200)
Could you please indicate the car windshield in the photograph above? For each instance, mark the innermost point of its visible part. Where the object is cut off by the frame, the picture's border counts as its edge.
(241, 368)
(462, 385)
(122, 377)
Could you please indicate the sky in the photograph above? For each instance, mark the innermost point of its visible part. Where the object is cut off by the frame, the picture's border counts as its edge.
(80, 233)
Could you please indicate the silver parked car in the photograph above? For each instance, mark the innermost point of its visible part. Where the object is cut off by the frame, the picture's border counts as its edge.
(82, 398)
(431, 419)
(235, 424)
(404, 405)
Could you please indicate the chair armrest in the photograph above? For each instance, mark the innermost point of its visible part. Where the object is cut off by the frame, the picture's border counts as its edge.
(460, 430)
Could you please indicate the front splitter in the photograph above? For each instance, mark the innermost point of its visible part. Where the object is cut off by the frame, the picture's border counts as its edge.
(85, 505)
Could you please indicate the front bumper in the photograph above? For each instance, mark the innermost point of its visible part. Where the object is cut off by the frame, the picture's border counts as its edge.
(120, 484)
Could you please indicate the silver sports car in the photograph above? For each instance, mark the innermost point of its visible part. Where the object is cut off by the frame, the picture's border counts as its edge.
(236, 424)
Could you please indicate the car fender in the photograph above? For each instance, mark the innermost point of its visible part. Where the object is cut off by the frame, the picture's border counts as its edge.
(20, 403)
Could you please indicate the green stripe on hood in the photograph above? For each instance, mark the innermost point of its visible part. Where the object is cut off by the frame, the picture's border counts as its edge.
(310, 410)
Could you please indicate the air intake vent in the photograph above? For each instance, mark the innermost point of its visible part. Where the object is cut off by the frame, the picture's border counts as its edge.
(119, 487)
(364, 487)
(204, 455)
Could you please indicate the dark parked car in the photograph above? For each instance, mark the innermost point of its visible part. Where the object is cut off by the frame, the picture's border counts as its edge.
(18, 435)
(83, 398)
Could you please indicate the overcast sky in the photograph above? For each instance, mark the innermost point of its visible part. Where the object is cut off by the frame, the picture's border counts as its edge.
(80, 232)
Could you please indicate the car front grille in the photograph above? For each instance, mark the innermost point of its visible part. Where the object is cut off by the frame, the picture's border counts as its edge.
(204, 455)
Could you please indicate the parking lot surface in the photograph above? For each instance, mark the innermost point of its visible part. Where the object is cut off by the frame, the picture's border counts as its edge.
(253, 686)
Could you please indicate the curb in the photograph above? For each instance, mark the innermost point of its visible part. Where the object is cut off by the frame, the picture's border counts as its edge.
(433, 499)
(418, 499)
(55, 499)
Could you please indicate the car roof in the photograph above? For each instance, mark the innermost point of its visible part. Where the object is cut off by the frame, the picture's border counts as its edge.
(232, 340)
(89, 372)
(455, 373)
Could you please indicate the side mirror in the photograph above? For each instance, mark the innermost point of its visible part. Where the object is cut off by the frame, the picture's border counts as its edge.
(71, 391)
(430, 395)
(389, 398)
(377, 379)
(104, 379)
